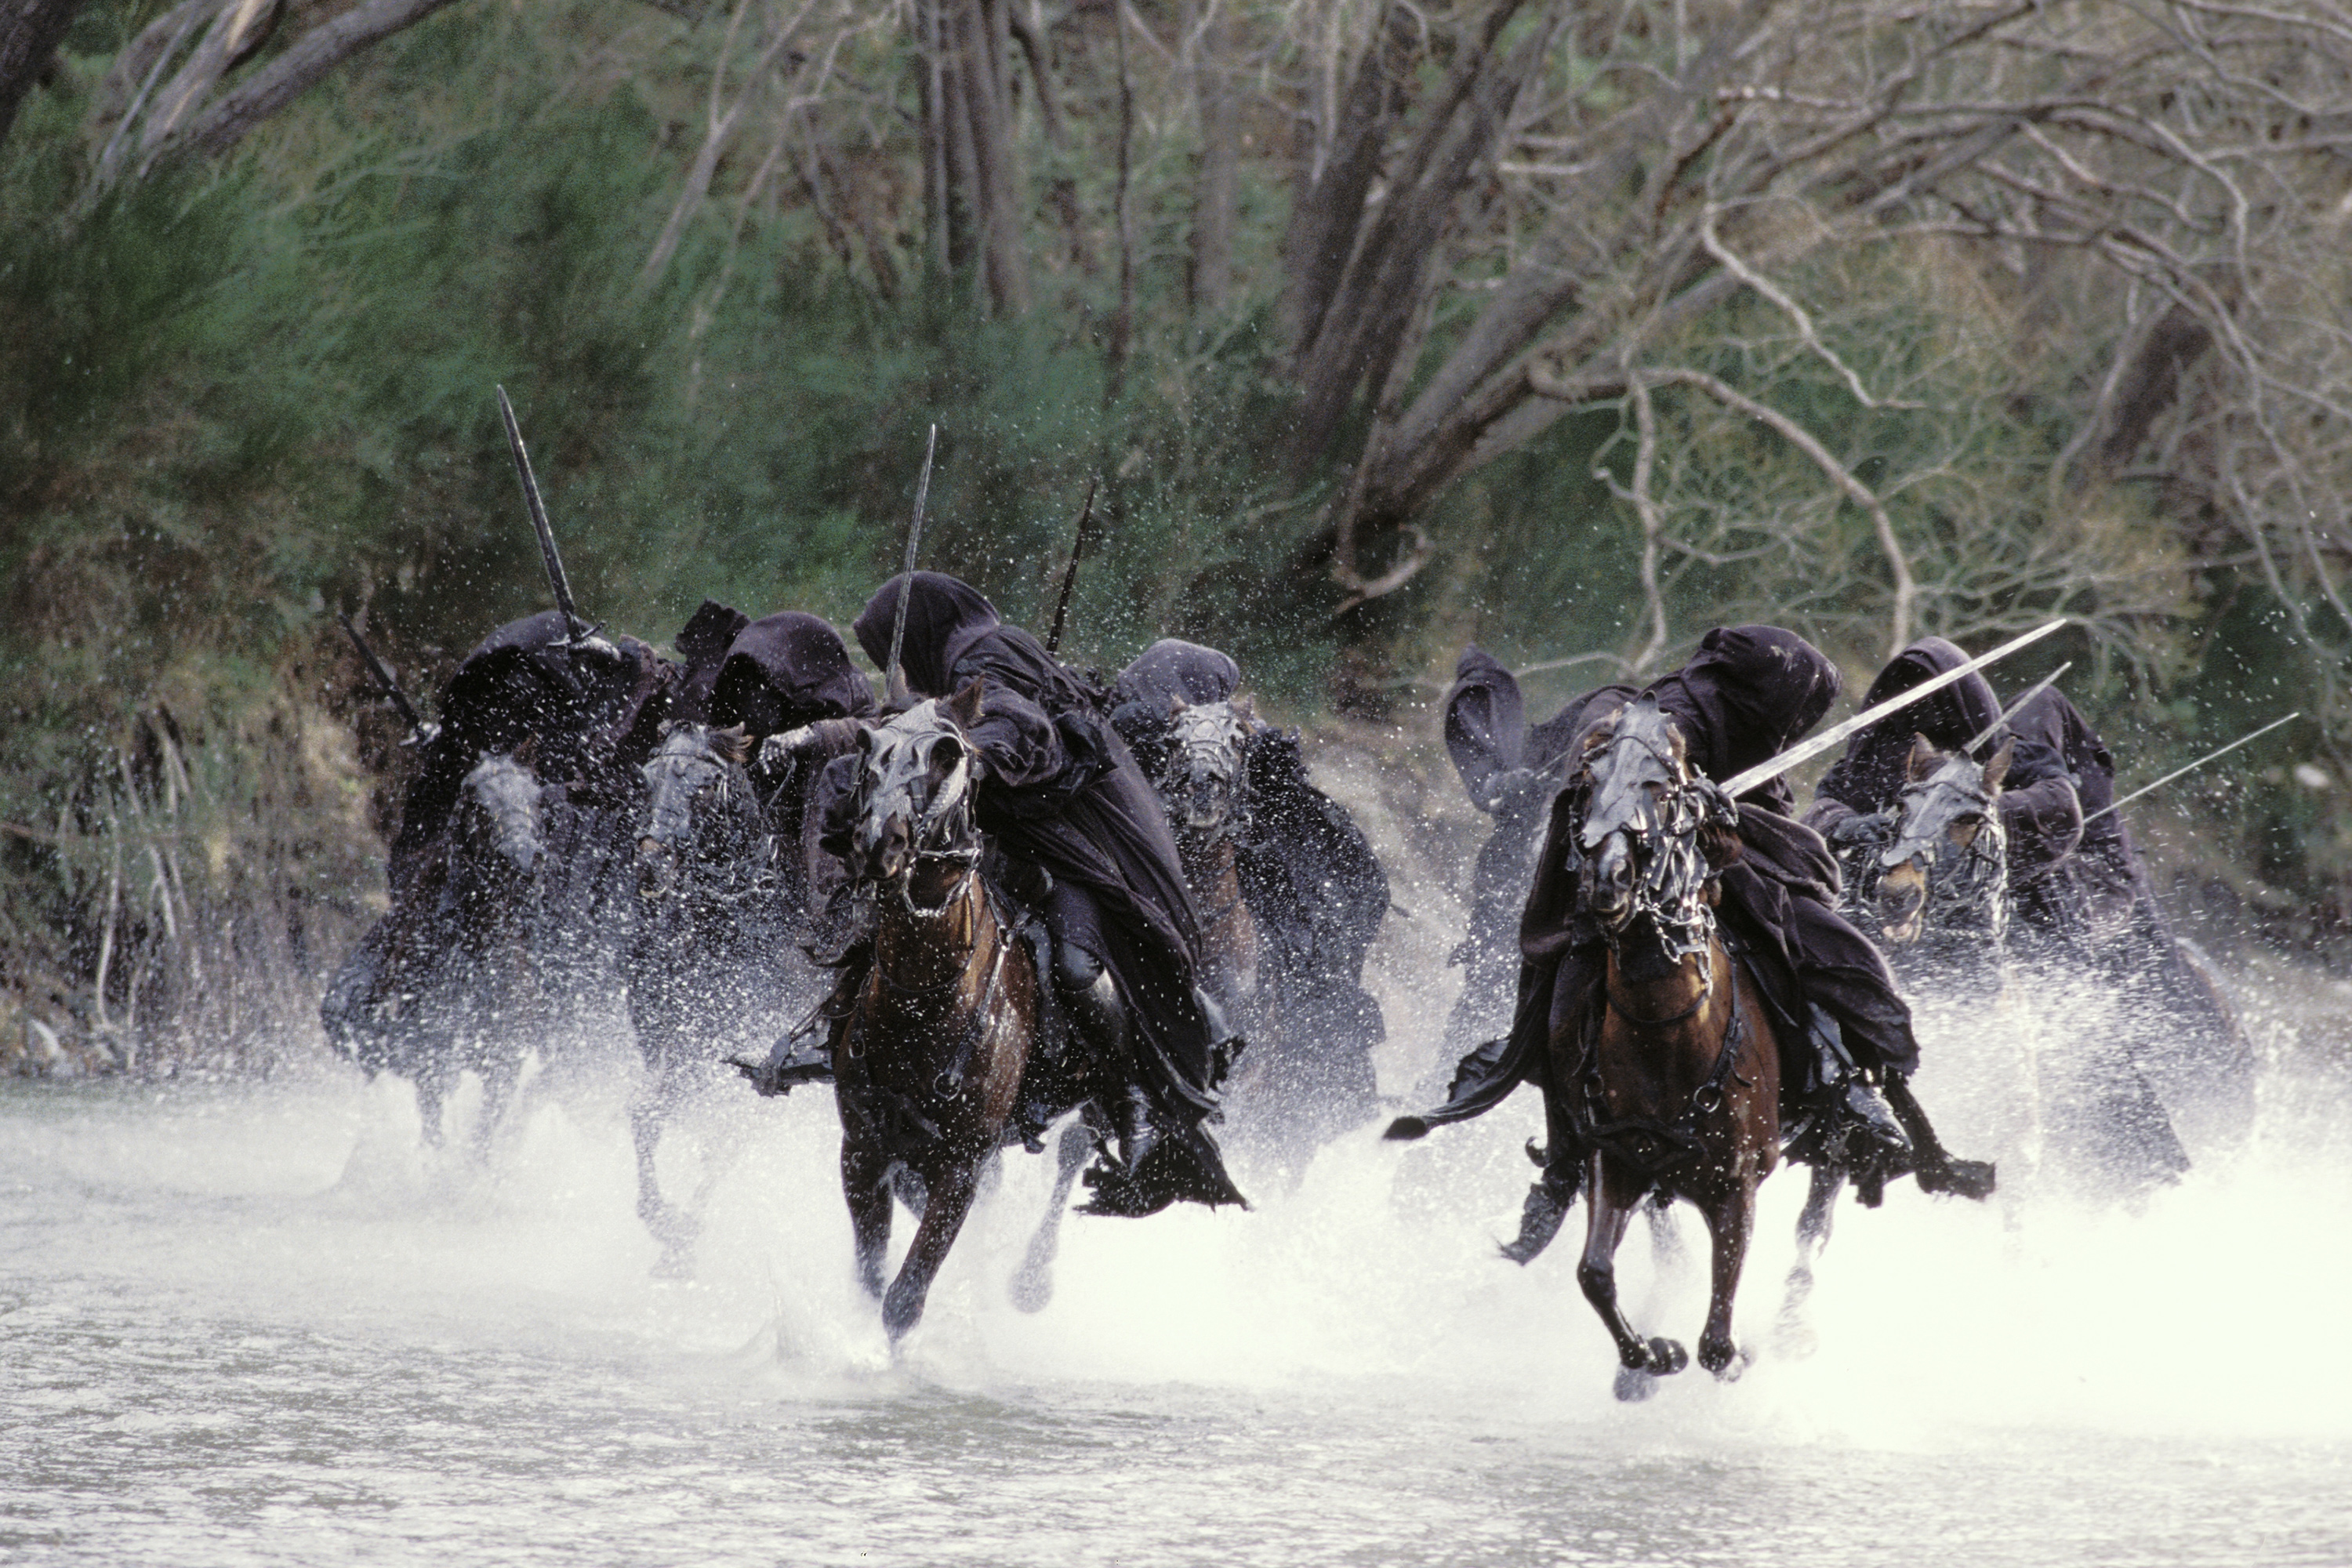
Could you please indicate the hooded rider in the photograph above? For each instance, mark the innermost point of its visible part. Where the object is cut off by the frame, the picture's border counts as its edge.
(1510, 770)
(1307, 872)
(1083, 840)
(1858, 802)
(1747, 695)
(591, 707)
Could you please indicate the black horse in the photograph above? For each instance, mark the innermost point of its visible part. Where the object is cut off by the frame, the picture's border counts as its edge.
(449, 980)
(712, 965)
(1942, 896)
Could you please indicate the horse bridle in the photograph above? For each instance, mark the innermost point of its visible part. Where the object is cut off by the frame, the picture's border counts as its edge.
(1661, 835)
(1207, 739)
(1978, 882)
(941, 826)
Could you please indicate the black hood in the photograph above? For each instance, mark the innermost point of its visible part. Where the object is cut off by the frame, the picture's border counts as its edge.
(1871, 773)
(526, 678)
(1486, 721)
(785, 670)
(1171, 669)
(702, 642)
(1747, 695)
(945, 615)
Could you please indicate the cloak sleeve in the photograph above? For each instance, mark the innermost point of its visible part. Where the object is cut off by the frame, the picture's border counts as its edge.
(2043, 821)
(1021, 744)
(1486, 725)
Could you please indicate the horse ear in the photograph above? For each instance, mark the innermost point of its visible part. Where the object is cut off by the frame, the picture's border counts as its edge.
(964, 708)
(1997, 769)
(1923, 759)
(1245, 705)
(733, 742)
(1176, 704)
(527, 755)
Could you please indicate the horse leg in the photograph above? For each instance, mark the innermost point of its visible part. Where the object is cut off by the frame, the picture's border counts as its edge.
(951, 1190)
(1729, 1220)
(1813, 1226)
(1610, 1206)
(500, 1072)
(675, 1228)
(865, 1171)
(1033, 1283)
(430, 1093)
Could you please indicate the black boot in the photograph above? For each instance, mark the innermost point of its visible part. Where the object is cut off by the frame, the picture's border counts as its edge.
(806, 1056)
(1933, 1168)
(1225, 1047)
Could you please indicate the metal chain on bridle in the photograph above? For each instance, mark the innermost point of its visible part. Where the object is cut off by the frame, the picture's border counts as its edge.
(1662, 831)
(1206, 744)
(1968, 884)
(940, 826)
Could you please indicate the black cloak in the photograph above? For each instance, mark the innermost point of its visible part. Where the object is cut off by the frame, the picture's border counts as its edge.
(592, 709)
(2039, 810)
(1306, 871)
(702, 642)
(1060, 789)
(2102, 885)
(1745, 695)
(785, 670)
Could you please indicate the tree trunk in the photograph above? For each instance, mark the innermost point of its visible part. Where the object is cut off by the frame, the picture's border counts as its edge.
(29, 33)
(975, 200)
(1220, 123)
(224, 123)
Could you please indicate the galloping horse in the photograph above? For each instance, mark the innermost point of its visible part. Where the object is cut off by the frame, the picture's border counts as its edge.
(1938, 894)
(1941, 897)
(449, 979)
(1304, 1077)
(712, 965)
(939, 1067)
(1675, 1089)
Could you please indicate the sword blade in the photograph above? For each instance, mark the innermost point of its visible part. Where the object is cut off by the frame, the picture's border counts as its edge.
(1765, 772)
(2011, 712)
(2191, 768)
(382, 671)
(1070, 575)
(894, 680)
(572, 625)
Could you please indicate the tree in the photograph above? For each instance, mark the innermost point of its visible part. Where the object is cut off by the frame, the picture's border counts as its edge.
(2168, 178)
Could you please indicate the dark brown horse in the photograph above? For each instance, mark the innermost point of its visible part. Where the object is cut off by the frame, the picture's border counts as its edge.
(1677, 1088)
(930, 1072)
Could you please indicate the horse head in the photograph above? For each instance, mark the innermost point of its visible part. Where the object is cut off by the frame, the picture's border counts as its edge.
(1947, 863)
(498, 815)
(915, 776)
(1204, 780)
(1650, 833)
(698, 769)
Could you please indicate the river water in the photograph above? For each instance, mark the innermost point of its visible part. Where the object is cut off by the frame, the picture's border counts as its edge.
(252, 1323)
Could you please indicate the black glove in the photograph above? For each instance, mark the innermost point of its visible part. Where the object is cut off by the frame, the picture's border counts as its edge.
(1510, 785)
(1860, 829)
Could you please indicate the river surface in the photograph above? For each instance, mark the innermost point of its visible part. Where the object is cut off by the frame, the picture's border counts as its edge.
(252, 1323)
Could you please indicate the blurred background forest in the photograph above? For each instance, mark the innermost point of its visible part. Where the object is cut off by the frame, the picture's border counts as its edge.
(1565, 327)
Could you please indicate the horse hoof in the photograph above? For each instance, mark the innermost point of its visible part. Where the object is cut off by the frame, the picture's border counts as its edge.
(1726, 1362)
(1634, 1385)
(1793, 1339)
(1668, 1357)
(1031, 1289)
